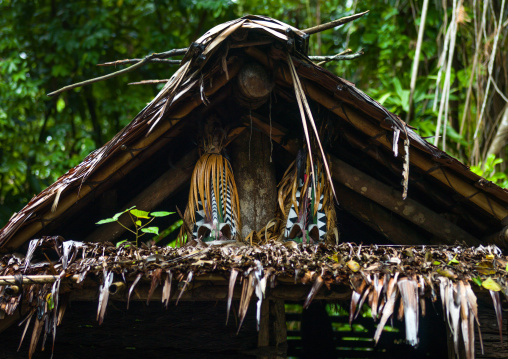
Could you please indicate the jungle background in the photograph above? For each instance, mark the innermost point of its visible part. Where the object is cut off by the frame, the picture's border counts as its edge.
(457, 96)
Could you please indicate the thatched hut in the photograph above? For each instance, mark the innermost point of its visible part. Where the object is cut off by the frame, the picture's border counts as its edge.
(366, 212)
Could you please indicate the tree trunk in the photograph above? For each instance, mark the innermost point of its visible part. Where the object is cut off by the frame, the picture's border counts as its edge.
(255, 179)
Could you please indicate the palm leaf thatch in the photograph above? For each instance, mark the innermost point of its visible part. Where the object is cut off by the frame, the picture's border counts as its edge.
(388, 279)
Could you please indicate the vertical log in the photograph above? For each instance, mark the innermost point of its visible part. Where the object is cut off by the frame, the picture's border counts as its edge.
(255, 179)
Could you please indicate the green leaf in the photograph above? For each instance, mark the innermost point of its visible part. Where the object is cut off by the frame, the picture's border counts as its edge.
(477, 281)
(138, 223)
(50, 301)
(154, 230)
(140, 214)
(107, 220)
(161, 214)
(118, 244)
(116, 216)
(436, 263)
(491, 284)
(453, 261)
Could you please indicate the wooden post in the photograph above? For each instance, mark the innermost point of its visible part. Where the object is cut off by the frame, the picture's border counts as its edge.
(264, 325)
(278, 312)
(255, 179)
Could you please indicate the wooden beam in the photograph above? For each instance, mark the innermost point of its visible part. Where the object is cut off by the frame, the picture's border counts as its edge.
(378, 218)
(31, 279)
(204, 291)
(391, 199)
(104, 172)
(499, 238)
(388, 198)
(376, 132)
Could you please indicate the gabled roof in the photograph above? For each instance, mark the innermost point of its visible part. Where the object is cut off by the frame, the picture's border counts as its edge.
(208, 66)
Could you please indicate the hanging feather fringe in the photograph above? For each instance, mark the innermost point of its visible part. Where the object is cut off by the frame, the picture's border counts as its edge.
(307, 204)
(213, 207)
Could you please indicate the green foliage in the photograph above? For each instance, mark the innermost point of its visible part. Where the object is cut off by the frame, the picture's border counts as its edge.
(140, 219)
(488, 170)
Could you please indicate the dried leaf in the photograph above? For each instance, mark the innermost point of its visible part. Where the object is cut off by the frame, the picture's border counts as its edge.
(409, 292)
(496, 300)
(133, 285)
(387, 312)
(355, 297)
(354, 266)
(247, 290)
(104, 296)
(318, 283)
(187, 281)
(232, 281)
(156, 279)
(166, 290)
(491, 285)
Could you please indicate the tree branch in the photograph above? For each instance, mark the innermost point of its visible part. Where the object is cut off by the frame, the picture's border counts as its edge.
(335, 23)
(146, 59)
(148, 82)
(339, 57)
(135, 61)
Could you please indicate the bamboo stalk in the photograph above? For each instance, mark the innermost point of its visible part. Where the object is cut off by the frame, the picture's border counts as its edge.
(490, 69)
(473, 68)
(416, 60)
(34, 279)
